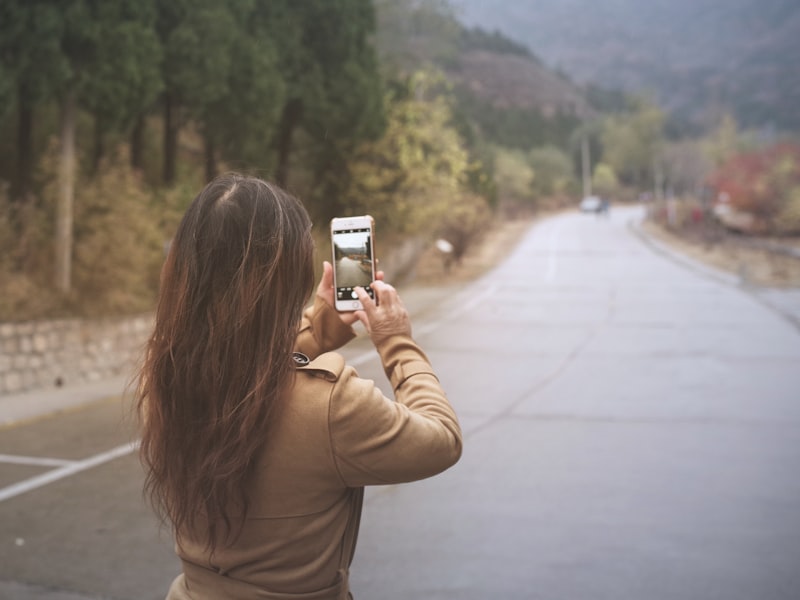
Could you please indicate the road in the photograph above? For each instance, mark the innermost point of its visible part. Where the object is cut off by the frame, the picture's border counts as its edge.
(632, 431)
(350, 273)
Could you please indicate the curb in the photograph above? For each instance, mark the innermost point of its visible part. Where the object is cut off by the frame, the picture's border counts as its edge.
(758, 293)
(29, 405)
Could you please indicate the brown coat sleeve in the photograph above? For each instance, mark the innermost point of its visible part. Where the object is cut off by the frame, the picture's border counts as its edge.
(321, 330)
(378, 441)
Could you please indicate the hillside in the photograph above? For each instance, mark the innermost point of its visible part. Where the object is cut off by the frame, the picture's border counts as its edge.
(500, 84)
(697, 57)
(513, 81)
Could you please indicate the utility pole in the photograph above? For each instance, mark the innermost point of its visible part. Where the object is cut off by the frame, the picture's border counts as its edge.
(658, 178)
(586, 164)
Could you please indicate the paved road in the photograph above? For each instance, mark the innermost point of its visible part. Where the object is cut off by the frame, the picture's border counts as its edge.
(351, 274)
(632, 432)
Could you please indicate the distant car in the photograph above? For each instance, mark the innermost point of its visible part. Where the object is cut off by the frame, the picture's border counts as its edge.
(591, 204)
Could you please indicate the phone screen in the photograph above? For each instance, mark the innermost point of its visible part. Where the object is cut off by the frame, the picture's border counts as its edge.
(353, 264)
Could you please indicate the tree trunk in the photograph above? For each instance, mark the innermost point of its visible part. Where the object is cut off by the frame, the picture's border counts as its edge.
(21, 179)
(66, 191)
(170, 138)
(290, 118)
(137, 144)
(99, 146)
(210, 158)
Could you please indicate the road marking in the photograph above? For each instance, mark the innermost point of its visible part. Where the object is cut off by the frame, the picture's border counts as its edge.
(34, 461)
(66, 470)
(552, 253)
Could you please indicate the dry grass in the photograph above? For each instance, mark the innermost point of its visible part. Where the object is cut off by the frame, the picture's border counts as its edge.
(755, 266)
(495, 245)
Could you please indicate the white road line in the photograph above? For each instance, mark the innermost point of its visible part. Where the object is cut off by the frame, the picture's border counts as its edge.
(68, 468)
(552, 253)
(65, 471)
(34, 461)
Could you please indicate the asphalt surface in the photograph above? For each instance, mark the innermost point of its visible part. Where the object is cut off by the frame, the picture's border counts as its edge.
(632, 431)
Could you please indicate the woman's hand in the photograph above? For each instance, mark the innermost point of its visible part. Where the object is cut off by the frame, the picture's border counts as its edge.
(387, 317)
(326, 292)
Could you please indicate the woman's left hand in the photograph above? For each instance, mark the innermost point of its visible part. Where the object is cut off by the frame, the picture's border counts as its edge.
(326, 292)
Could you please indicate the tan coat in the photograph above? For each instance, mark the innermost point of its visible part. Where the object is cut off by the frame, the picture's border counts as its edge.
(337, 434)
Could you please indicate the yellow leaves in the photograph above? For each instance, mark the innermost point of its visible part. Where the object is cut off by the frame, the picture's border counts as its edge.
(514, 177)
(604, 180)
(788, 221)
(411, 176)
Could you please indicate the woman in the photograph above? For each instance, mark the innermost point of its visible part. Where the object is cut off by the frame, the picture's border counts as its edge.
(257, 439)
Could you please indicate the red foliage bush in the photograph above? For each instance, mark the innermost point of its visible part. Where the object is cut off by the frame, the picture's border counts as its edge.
(760, 182)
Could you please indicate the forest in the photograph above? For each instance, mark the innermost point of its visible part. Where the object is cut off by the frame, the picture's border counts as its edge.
(114, 113)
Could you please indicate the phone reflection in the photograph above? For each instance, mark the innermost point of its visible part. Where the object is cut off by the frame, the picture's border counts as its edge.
(352, 253)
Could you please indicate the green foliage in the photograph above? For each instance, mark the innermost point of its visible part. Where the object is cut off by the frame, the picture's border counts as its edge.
(278, 87)
(553, 173)
(412, 33)
(334, 98)
(416, 173)
(128, 77)
(480, 39)
(632, 142)
(516, 127)
(234, 93)
(30, 46)
(606, 100)
(604, 181)
(514, 179)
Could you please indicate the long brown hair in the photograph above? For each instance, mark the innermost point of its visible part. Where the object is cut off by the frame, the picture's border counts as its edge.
(236, 278)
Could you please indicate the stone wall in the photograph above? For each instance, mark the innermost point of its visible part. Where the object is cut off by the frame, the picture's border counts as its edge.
(48, 354)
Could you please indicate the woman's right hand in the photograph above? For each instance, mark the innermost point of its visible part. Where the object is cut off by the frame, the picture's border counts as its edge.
(387, 317)
(327, 294)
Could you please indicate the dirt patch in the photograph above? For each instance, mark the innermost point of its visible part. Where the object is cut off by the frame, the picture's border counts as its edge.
(495, 245)
(754, 265)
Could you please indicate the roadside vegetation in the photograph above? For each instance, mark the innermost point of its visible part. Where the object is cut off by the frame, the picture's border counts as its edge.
(114, 114)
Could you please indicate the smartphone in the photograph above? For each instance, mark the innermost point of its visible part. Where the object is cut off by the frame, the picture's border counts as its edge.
(352, 241)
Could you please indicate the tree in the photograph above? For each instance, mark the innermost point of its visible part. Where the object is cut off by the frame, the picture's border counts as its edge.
(604, 181)
(200, 54)
(686, 167)
(763, 183)
(32, 68)
(239, 119)
(333, 89)
(552, 171)
(94, 37)
(416, 32)
(632, 144)
(514, 178)
(586, 137)
(170, 28)
(416, 172)
(125, 77)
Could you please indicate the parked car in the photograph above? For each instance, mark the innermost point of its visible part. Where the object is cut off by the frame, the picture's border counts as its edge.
(591, 204)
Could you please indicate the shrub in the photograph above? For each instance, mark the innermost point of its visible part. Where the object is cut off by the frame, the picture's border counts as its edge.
(762, 183)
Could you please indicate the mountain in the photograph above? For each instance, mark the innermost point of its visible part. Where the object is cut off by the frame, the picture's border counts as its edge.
(500, 86)
(696, 57)
(514, 81)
